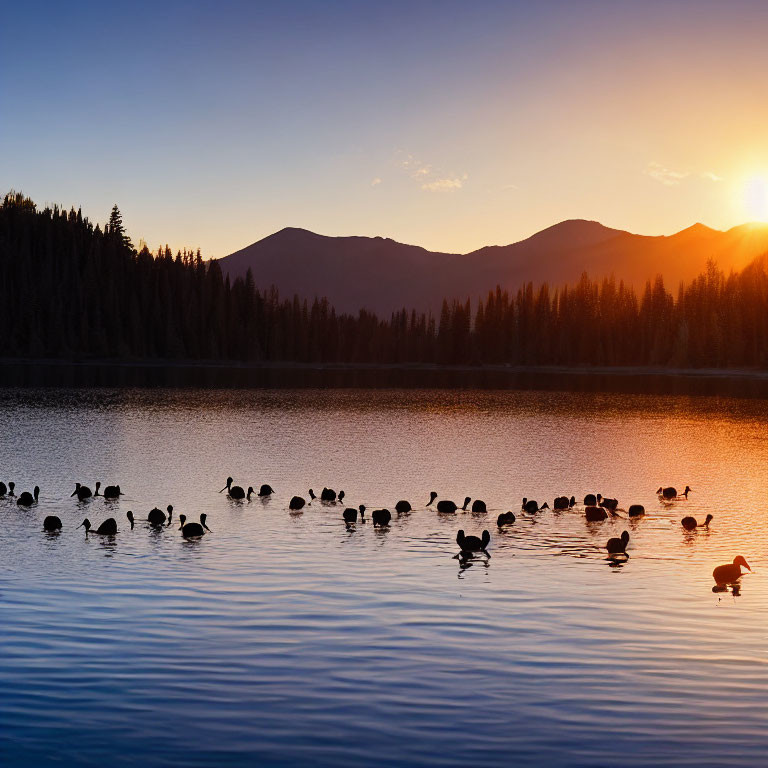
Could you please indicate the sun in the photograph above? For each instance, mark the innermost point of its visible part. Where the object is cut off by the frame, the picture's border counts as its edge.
(756, 198)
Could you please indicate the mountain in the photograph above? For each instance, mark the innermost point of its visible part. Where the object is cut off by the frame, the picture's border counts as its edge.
(383, 275)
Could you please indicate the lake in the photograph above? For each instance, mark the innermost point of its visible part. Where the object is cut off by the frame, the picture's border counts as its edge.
(286, 638)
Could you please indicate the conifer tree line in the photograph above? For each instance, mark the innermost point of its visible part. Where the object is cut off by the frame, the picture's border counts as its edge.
(72, 290)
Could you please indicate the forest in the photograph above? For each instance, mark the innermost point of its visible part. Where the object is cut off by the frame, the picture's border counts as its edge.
(76, 291)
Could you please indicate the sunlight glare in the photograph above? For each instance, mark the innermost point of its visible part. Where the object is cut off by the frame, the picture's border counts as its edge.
(756, 198)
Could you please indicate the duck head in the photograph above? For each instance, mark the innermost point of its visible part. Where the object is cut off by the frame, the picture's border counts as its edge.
(460, 539)
(312, 495)
(203, 517)
(36, 492)
(129, 515)
(98, 485)
(227, 486)
(486, 538)
(708, 520)
(170, 514)
(250, 492)
(182, 520)
(361, 509)
(85, 524)
(625, 537)
(466, 502)
(432, 497)
(74, 493)
(739, 560)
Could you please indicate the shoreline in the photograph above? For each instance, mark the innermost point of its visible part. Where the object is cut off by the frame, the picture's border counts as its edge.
(736, 374)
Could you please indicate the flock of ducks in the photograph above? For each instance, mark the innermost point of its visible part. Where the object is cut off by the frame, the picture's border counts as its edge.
(596, 509)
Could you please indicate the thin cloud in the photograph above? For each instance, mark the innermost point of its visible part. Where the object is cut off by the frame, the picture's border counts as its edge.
(429, 178)
(375, 182)
(711, 176)
(443, 185)
(665, 176)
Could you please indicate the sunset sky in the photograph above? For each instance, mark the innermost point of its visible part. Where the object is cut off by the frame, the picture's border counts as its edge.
(447, 124)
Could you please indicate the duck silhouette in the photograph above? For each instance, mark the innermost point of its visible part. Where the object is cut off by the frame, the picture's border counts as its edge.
(618, 545)
(296, 503)
(473, 543)
(402, 507)
(112, 492)
(478, 506)
(193, 530)
(670, 493)
(107, 528)
(265, 490)
(82, 492)
(51, 524)
(595, 514)
(726, 574)
(380, 517)
(350, 515)
(27, 499)
(635, 510)
(432, 497)
(690, 524)
(505, 518)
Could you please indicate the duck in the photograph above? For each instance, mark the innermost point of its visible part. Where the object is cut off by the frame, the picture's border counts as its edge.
(725, 574)
(328, 494)
(505, 518)
(311, 495)
(52, 523)
(296, 503)
(690, 524)
(112, 492)
(478, 506)
(341, 497)
(402, 507)
(560, 503)
(473, 543)
(449, 507)
(156, 517)
(635, 510)
(11, 486)
(265, 490)
(193, 530)
(233, 491)
(432, 497)
(531, 506)
(82, 492)
(107, 528)
(96, 489)
(3, 488)
(380, 517)
(27, 499)
(361, 510)
(670, 493)
(595, 514)
(129, 515)
(610, 504)
(349, 515)
(590, 500)
(572, 501)
(618, 544)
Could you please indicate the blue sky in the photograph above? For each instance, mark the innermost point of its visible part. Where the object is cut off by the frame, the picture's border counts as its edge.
(446, 124)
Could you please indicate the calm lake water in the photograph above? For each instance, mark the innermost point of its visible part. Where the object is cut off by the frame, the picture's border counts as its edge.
(286, 639)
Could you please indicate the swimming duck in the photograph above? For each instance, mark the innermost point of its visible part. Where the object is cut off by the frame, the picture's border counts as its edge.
(233, 491)
(193, 530)
(156, 517)
(402, 507)
(27, 499)
(670, 493)
(328, 494)
(690, 524)
(725, 574)
(595, 514)
(635, 510)
(478, 506)
(112, 492)
(297, 502)
(610, 504)
(380, 517)
(590, 500)
(531, 506)
(560, 503)
(449, 507)
(265, 490)
(82, 492)
(350, 515)
(52, 523)
(107, 528)
(473, 543)
(505, 518)
(3, 488)
(618, 545)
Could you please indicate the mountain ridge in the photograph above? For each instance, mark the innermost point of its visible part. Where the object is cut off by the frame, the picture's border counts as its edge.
(383, 275)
